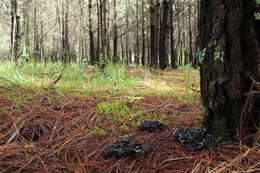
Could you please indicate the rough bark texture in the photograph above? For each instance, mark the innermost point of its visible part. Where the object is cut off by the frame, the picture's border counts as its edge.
(154, 32)
(164, 35)
(137, 60)
(229, 35)
(172, 39)
(15, 31)
(115, 37)
(143, 35)
(92, 53)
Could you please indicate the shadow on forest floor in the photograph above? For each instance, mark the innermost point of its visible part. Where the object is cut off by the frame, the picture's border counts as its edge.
(67, 132)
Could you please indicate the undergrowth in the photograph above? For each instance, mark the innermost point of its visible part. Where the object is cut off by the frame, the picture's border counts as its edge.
(113, 80)
(118, 109)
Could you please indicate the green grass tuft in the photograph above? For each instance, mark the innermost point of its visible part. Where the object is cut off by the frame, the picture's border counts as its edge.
(117, 109)
(98, 131)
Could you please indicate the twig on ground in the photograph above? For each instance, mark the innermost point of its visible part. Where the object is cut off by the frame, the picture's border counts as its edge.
(192, 89)
(10, 82)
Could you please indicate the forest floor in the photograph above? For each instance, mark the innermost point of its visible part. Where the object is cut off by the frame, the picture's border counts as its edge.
(64, 127)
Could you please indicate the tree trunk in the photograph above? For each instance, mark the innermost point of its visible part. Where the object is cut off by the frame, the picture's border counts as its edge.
(137, 35)
(190, 36)
(98, 31)
(155, 30)
(229, 35)
(164, 33)
(91, 36)
(143, 35)
(15, 31)
(172, 40)
(127, 58)
(115, 38)
(103, 27)
(36, 44)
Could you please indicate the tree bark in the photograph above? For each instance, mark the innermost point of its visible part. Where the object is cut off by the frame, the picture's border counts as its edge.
(91, 36)
(155, 30)
(115, 37)
(137, 35)
(164, 35)
(127, 56)
(15, 31)
(98, 31)
(36, 44)
(143, 35)
(229, 36)
(172, 40)
(190, 36)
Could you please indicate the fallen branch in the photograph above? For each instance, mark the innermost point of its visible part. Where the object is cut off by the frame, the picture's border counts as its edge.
(46, 73)
(53, 82)
(10, 82)
(192, 89)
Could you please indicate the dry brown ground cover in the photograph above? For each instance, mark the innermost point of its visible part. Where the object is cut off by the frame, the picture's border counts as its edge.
(63, 142)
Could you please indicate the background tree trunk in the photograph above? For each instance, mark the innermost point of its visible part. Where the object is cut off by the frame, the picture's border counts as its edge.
(36, 44)
(15, 31)
(137, 35)
(115, 37)
(230, 37)
(143, 35)
(164, 33)
(172, 40)
(91, 36)
(154, 33)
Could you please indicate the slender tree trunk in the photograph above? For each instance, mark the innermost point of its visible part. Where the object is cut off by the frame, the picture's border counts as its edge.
(107, 31)
(172, 40)
(122, 48)
(36, 47)
(137, 35)
(103, 27)
(67, 45)
(127, 33)
(115, 38)
(98, 31)
(164, 33)
(26, 22)
(91, 36)
(42, 50)
(149, 43)
(190, 36)
(143, 35)
(15, 31)
(155, 30)
(229, 35)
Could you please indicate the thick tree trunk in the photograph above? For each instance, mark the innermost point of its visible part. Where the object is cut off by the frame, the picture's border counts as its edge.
(164, 35)
(154, 33)
(229, 35)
